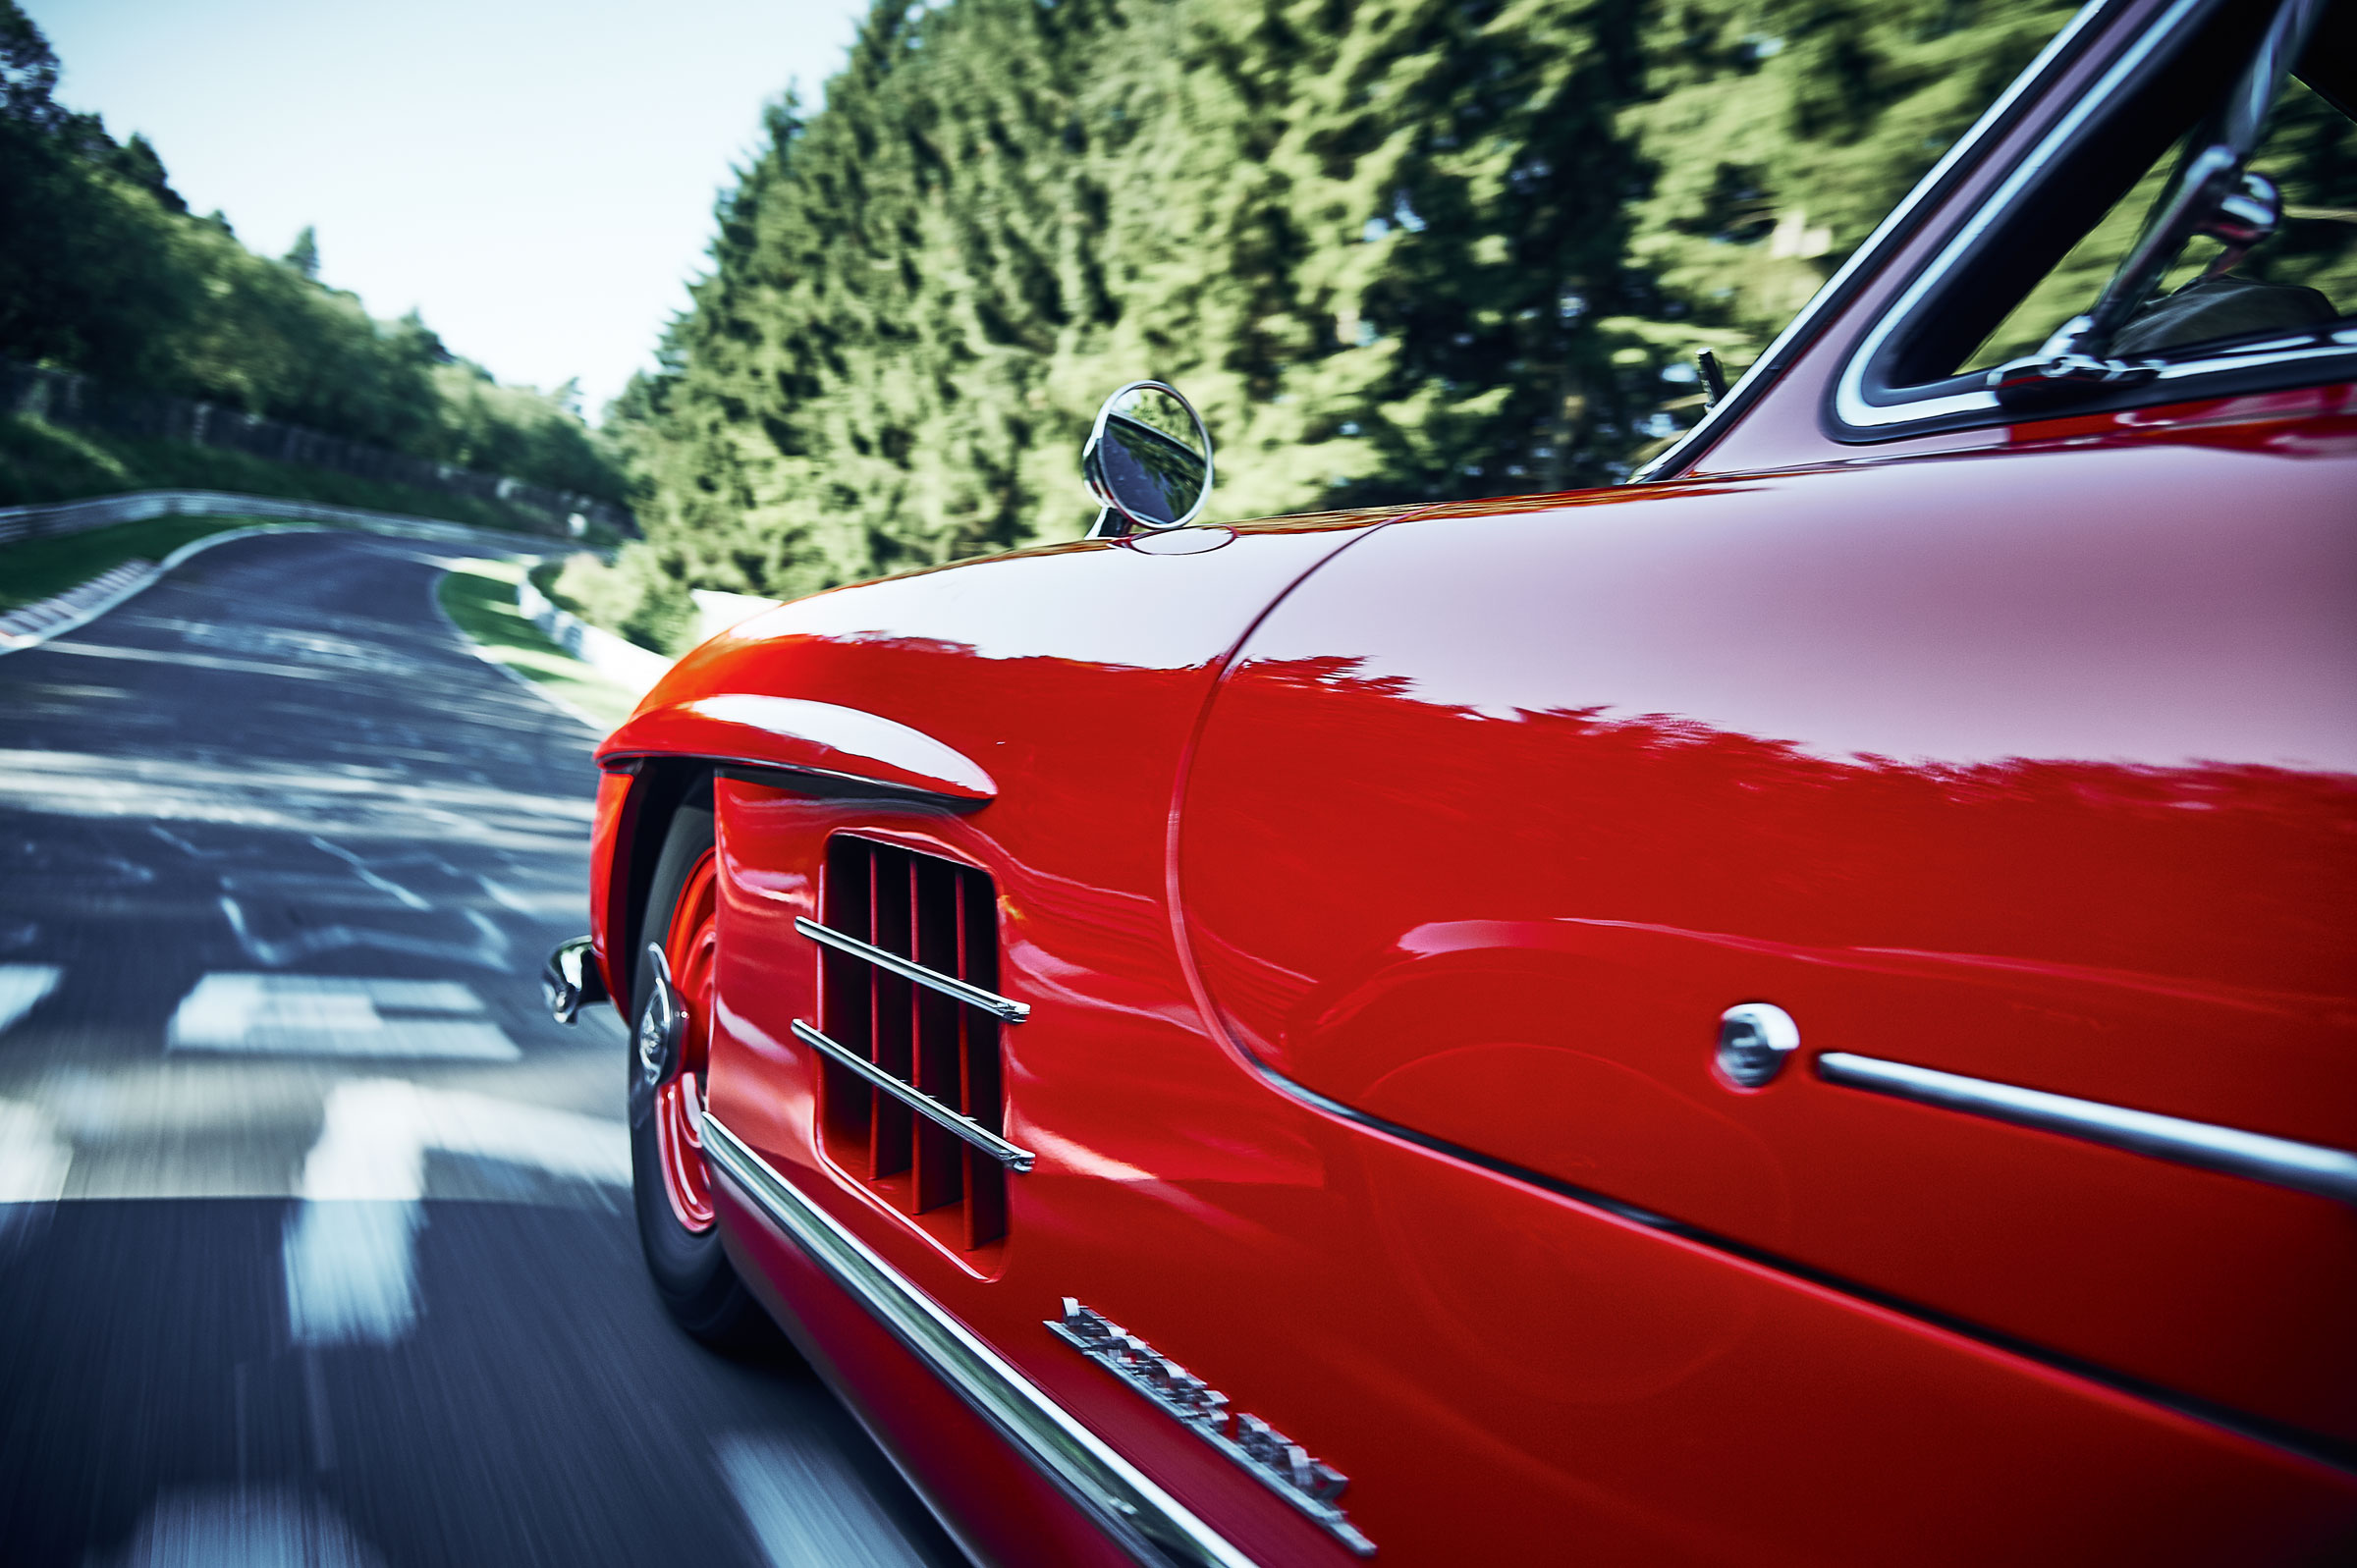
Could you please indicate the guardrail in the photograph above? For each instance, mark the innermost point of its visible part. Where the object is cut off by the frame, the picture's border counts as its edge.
(618, 657)
(53, 518)
(624, 660)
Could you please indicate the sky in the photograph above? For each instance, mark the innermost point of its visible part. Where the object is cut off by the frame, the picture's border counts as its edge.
(535, 177)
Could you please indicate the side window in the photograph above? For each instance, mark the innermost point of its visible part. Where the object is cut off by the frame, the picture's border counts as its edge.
(2186, 227)
(2301, 275)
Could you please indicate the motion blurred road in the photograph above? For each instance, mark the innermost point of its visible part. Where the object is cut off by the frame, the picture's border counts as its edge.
(315, 1230)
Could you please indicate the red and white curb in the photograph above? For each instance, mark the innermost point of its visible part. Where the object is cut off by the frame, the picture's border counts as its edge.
(59, 614)
(38, 622)
(35, 623)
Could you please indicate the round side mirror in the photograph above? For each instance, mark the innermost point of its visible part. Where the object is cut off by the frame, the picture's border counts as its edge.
(1147, 461)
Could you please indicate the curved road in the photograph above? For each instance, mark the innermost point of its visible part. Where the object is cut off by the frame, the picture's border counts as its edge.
(314, 1234)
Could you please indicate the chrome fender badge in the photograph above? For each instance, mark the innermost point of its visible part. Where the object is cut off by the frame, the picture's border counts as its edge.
(1273, 1459)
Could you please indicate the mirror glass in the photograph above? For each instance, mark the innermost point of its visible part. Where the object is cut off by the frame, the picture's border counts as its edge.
(1149, 458)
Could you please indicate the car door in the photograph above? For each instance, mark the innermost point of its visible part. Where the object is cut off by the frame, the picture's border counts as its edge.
(2035, 765)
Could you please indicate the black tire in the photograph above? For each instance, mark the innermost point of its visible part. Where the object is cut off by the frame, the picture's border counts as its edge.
(690, 1270)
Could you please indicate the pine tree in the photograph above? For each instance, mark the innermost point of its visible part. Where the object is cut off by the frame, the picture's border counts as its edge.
(1395, 249)
(917, 298)
(304, 254)
(1773, 136)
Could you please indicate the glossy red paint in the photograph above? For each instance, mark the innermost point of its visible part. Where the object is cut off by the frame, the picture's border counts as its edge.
(2028, 753)
(1289, 1257)
(2043, 789)
(1498, 1369)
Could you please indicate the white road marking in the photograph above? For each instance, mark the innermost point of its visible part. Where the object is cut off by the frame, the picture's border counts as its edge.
(491, 953)
(225, 1528)
(377, 804)
(174, 841)
(334, 1015)
(34, 1162)
(198, 661)
(562, 900)
(349, 1250)
(807, 1507)
(22, 988)
(380, 884)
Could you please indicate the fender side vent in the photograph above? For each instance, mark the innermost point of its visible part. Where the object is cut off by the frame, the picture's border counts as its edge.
(942, 1042)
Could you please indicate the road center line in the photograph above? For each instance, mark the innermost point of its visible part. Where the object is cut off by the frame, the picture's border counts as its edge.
(335, 1015)
(807, 1507)
(350, 1249)
(34, 1159)
(490, 952)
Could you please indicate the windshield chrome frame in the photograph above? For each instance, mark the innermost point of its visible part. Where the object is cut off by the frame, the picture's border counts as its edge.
(1888, 234)
(1854, 417)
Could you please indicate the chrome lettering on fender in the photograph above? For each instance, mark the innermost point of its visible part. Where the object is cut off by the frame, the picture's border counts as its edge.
(1273, 1459)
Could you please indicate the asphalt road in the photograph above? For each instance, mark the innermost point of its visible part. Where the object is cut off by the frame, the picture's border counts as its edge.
(314, 1236)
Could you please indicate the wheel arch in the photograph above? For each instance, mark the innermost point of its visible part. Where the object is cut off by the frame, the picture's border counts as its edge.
(659, 787)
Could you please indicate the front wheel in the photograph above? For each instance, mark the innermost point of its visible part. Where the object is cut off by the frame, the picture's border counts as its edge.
(669, 1048)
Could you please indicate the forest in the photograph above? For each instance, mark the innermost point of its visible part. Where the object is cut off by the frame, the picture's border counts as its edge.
(106, 272)
(1395, 249)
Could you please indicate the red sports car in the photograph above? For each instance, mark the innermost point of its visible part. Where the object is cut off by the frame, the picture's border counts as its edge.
(1799, 1009)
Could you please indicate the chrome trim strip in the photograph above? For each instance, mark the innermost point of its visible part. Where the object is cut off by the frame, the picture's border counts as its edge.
(1888, 416)
(1153, 1527)
(1738, 401)
(850, 740)
(821, 782)
(2303, 1167)
(989, 1001)
(2335, 1451)
(916, 1100)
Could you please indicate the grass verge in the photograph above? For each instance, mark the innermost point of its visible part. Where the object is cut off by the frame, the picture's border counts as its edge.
(479, 596)
(32, 570)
